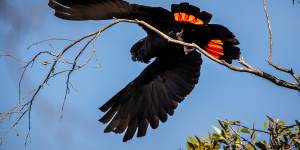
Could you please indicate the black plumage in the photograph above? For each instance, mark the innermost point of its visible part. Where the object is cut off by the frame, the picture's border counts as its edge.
(156, 92)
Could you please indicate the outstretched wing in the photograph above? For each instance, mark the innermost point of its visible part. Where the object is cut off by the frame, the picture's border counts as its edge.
(152, 95)
(107, 9)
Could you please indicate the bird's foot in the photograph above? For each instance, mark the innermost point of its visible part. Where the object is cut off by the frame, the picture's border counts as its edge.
(188, 49)
(179, 35)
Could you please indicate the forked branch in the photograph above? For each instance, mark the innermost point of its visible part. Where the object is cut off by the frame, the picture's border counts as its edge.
(290, 71)
(248, 68)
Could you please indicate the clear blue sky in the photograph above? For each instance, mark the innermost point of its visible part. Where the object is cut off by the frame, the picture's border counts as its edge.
(220, 93)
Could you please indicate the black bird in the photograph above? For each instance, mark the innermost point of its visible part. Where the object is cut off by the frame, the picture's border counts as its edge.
(156, 92)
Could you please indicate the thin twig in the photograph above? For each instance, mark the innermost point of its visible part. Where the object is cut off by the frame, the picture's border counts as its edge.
(4, 115)
(249, 69)
(242, 137)
(86, 62)
(12, 56)
(70, 72)
(290, 71)
(239, 125)
(30, 102)
(51, 39)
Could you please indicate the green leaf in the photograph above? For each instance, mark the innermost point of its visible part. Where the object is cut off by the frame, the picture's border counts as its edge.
(226, 128)
(238, 140)
(265, 125)
(270, 119)
(194, 141)
(223, 134)
(280, 121)
(189, 146)
(202, 137)
(198, 140)
(253, 136)
(245, 130)
(224, 125)
(233, 122)
(238, 130)
(250, 147)
(216, 147)
(261, 145)
(217, 137)
(217, 130)
(286, 132)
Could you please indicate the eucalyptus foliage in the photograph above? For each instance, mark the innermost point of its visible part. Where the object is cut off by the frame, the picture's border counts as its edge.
(232, 135)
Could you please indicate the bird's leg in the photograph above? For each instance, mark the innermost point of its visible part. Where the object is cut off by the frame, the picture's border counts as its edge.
(186, 49)
(179, 35)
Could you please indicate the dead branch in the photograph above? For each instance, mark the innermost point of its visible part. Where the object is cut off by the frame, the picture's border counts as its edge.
(12, 56)
(248, 68)
(290, 71)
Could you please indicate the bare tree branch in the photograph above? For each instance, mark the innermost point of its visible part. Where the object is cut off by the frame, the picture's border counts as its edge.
(290, 71)
(248, 68)
(51, 39)
(11, 56)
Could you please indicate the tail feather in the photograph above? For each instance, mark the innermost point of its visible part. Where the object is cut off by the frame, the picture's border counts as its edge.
(227, 43)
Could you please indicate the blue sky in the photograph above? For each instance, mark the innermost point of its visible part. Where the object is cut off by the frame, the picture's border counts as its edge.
(220, 93)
